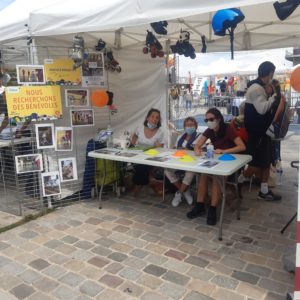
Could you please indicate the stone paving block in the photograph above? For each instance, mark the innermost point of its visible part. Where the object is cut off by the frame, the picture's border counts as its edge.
(188, 249)
(72, 279)
(30, 276)
(39, 264)
(38, 296)
(65, 292)
(169, 243)
(149, 281)
(22, 291)
(223, 294)
(123, 221)
(234, 263)
(139, 253)
(130, 273)
(90, 288)
(253, 258)
(102, 251)
(172, 291)
(155, 223)
(8, 281)
(229, 251)
(13, 268)
(74, 265)
(91, 272)
(65, 249)
(83, 297)
(118, 237)
(4, 261)
(176, 278)
(135, 263)
(225, 282)
(258, 270)
(82, 255)
(114, 267)
(54, 271)
(121, 228)
(93, 221)
(250, 290)
(245, 247)
(117, 256)
(264, 244)
(28, 234)
(247, 277)
(272, 285)
(52, 244)
(197, 296)
(86, 245)
(45, 284)
(156, 249)
(152, 296)
(188, 240)
(69, 239)
(98, 262)
(175, 254)
(177, 266)
(135, 233)
(150, 238)
(258, 228)
(111, 280)
(155, 270)
(156, 259)
(121, 247)
(137, 243)
(197, 261)
(131, 289)
(200, 273)
(274, 296)
(104, 242)
(109, 294)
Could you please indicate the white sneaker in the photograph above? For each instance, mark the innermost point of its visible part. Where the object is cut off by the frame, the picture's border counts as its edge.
(177, 199)
(188, 197)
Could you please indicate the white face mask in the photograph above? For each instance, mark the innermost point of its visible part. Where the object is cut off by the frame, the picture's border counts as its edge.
(151, 125)
(212, 124)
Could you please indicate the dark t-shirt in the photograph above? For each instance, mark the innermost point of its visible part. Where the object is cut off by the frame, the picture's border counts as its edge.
(225, 142)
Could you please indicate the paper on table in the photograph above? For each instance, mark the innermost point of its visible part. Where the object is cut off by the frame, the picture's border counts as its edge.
(208, 163)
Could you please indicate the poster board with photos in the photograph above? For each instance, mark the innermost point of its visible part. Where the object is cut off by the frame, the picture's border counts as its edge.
(51, 184)
(67, 169)
(44, 136)
(30, 74)
(82, 118)
(28, 163)
(93, 71)
(58, 70)
(77, 97)
(63, 138)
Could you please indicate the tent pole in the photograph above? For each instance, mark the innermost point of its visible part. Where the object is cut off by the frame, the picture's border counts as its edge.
(167, 93)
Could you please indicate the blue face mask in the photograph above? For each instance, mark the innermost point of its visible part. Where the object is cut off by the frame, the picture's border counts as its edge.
(151, 125)
(190, 130)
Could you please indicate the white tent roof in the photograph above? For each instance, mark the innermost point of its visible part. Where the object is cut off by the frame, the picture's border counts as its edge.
(245, 63)
(261, 28)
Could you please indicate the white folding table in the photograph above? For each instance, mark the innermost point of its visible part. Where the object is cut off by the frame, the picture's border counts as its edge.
(222, 169)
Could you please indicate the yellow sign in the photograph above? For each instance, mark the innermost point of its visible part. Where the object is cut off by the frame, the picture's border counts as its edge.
(61, 69)
(23, 101)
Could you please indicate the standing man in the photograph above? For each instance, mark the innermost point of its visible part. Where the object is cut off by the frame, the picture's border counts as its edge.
(3, 107)
(260, 110)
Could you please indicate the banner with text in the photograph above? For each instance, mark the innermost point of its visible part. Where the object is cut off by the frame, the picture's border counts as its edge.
(23, 101)
(61, 71)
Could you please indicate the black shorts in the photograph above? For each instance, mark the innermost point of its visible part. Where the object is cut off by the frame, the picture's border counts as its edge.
(260, 148)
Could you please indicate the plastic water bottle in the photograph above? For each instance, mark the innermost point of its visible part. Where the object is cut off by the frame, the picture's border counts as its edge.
(110, 139)
(210, 151)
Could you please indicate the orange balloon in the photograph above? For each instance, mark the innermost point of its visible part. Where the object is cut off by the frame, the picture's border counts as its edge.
(295, 79)
(99, 98)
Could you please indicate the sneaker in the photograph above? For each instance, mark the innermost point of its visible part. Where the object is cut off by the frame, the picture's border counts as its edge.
(212, 216)
(188, 197)
(177, 199)
(197, 211)
(269, 196)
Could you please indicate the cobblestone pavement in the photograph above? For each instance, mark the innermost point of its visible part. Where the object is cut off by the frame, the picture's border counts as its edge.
(142, 248)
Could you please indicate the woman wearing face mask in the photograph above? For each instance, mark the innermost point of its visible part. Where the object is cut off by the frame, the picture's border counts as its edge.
(149, 134)
(186, 141)
(225, 140)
